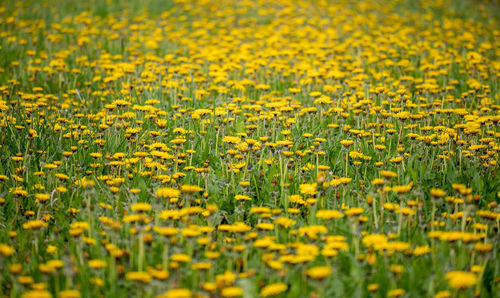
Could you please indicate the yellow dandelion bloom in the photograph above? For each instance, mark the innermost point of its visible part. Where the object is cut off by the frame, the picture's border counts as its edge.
(319, 272)
(232, 292)
(461, 279)
(273, 289)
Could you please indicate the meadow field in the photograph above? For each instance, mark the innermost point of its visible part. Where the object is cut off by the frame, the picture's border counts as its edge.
(249, 148)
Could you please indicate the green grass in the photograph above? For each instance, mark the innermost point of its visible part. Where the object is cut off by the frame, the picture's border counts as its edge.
(76, 77)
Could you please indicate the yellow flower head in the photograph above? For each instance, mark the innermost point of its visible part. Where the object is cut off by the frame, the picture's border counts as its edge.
(319, 272)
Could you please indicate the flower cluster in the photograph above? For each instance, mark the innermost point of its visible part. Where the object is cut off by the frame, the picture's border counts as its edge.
(249, 148)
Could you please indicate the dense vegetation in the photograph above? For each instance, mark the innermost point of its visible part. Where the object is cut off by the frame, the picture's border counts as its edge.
(246, 148)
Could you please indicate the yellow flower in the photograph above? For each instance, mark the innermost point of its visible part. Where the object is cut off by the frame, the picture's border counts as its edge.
(227, 278)
(34, 225)
(36, 294)
(231, 140)
(168, 192)
(265, 226)
(15, 268)
(437, 193)
(190, 188)
(244, 183)
(242, 198)
(397, 159)
(158, 274)
(181, 258)
(443, 294)
(396, 269)
(201, 266)
(141, 276)
(308, 189)
(354, 211)
(61, 176)
(69, 294)
(421, 250)
(483, 247)
(135, 191)
(401, 189)
(85, 183)
(273, 289)
(96, 264)
(372, 287)
(319, 272)
(141, 207)
(42, 197)
(388, 174)
(346, 143)
(285, 222)
(20, 192)
(461, 279)
(374, 240)
(6, 250)
(232, 292)
(25, 280)
(177, 293)
(396, 293)
(329, 214)
(166, 231)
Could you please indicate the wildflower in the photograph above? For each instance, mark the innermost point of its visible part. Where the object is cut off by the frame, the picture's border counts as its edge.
(15, 268)
(319, 272)
(6, 250)
(461, 279)
(346, 143)
(141, 207)
(42, 197)
(141, 276)
(329, 214)
(85, 183)
(374, 240)
(36, 293)
(308, 189)
(209, 286)
(443, 294)
(401, 189)
(69, 294)
(181, 258)
(396, 293)
(285, 222)
(483, 247)
(242, 198)
(373, 287)
(25, 280)
(168, 192)
(388, 174)
(201, 266)
(34, 225)
(396, 269)
(166, 231)
(232, 292)
(231, 140)
(265, 226)
(190, 189)
(354, 211)
(437, 193)
(96, 264)
(421, 250)
(273, 289)
(177, 293)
